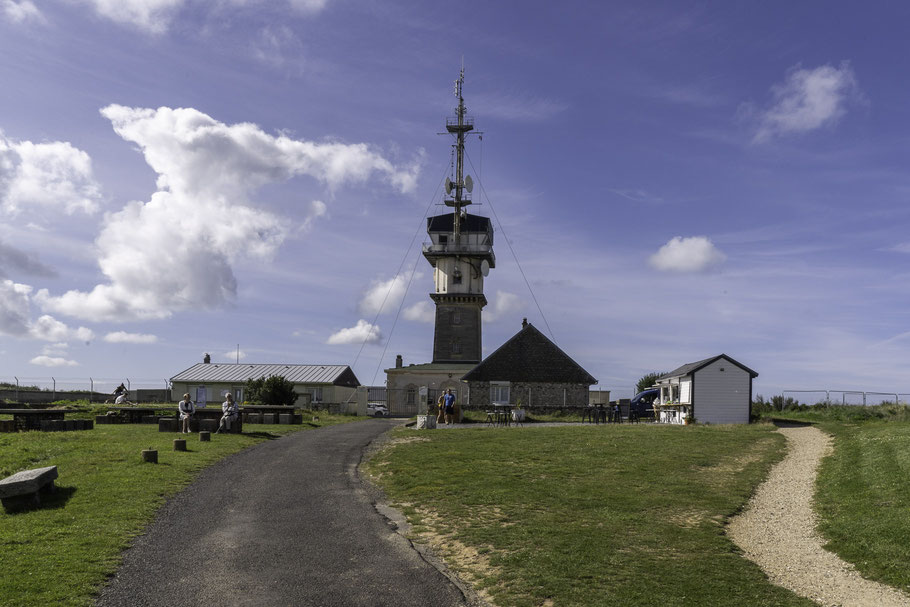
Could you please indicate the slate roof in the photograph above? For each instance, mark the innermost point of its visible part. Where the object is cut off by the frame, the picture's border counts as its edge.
(470, 223)
(690, 368)
(530, 357)
(338, 375)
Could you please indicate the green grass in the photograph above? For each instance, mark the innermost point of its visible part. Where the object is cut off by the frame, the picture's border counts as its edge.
(864, 498)
(61, 553)
(629, 515)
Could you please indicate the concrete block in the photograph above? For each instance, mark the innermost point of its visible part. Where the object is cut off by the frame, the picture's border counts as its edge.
(284, 418)
(179, 444)
(208, 425)
(150, 456)
(426, 422)
(205, 436)
(149, 419)
(297, 418)
(254, 418)
(268, 418)
(168, 424)
(69, 424)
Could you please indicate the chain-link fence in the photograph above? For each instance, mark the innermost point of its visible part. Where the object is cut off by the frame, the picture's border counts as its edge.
(48, 389)
(846, 397)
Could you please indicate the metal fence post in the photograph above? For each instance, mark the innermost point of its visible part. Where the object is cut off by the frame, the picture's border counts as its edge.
(55, 387)
(17, 389)
(91, 389)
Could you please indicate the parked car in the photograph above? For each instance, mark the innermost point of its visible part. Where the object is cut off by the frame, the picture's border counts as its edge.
(377, 410)
(643, 402)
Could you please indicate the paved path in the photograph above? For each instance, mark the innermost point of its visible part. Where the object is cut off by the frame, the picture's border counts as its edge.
(777, 531)
(283, 523)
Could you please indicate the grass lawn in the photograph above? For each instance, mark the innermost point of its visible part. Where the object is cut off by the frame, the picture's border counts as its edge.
(61, 553)
(864, 499)
(608, 515)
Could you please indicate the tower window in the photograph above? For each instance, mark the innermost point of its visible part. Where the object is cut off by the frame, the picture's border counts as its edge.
(456, 318)
(456, 277)
(456, 346)
(443, 239)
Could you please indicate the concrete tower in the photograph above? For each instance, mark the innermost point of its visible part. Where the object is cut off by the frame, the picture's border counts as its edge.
(461, 253)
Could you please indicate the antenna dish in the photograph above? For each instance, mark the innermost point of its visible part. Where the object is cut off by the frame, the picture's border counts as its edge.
(469, 184)
(485, 267)
(448, 186)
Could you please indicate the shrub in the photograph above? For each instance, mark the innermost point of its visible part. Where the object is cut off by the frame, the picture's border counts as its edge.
(272, 391)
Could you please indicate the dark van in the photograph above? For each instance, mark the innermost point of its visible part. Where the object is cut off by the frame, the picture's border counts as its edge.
(642, 403)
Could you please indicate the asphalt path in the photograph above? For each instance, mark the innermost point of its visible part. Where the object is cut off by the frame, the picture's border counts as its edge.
(286, 522)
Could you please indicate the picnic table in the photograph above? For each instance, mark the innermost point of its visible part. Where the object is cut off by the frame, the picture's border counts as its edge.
(134, 415)
(30, 419)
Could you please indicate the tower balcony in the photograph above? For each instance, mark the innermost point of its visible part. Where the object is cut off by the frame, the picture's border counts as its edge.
(450, 249)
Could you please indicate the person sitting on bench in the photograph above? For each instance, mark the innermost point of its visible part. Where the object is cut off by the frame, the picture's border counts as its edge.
(187, 409)
(230, 411)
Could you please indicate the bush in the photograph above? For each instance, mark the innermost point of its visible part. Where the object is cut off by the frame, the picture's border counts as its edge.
(272, 391)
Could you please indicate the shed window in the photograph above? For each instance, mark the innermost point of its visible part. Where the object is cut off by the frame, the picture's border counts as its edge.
(499, 393)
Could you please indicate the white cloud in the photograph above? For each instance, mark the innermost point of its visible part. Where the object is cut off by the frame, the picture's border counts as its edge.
(318, 209)
(693, 254)
(58, 349)
(360, 333)
(21, 11)
(422, 311)
(176, 251)
(503, 305)
(807, 100)
(53, 361)
(234, 355)
(384, 295)
(122, 337)
(153, 16)
(51, 175)
(49, 328)
(15, 317)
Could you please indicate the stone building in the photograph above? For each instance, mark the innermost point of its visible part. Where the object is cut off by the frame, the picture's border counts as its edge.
(529, 370)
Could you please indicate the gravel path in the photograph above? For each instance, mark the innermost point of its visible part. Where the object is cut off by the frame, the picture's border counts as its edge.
(777, 532)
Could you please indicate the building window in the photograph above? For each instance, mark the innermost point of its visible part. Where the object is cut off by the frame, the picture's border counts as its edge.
(499, 393)
(456, 346)
(456, 277)
(317, 395)
(456, 317)
(443, 239)
(411, 397)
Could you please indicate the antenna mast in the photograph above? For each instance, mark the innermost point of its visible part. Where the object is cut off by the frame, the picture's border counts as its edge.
(459, 126)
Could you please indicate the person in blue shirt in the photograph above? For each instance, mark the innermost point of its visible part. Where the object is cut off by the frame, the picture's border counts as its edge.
(448, 406)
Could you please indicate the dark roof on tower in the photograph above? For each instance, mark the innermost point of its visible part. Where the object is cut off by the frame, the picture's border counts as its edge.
(530, 357)
(470, 223)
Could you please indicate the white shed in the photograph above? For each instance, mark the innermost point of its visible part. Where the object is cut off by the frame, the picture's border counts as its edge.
(716, 390)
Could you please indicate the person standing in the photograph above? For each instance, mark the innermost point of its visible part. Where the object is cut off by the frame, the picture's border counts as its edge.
(230, 411)
(440, 404)
(448, 405)
(187, 408)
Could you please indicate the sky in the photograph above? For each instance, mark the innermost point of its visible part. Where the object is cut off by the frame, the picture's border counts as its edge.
(668, 181)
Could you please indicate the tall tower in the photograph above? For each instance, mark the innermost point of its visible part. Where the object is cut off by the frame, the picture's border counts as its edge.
(461, 253)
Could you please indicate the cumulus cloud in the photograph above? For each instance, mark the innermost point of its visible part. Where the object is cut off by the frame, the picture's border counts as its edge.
(53, 361)
(502, 305)
(177, 250)
(234, 355)
(15, 317)
(383, 295)
(693, 254)
(359, 333)
(52, 175)
(122, 337)
(422, 311)
(807, 100)
(21, 11)
(318, 209)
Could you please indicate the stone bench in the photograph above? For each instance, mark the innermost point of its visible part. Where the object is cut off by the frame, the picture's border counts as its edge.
(23, 487)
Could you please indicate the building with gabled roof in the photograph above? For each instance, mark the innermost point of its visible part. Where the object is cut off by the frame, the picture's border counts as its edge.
(716, 390)
(208, 382)
(530, 370)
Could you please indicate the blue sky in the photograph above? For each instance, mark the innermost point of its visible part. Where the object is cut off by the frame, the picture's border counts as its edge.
(675, 179)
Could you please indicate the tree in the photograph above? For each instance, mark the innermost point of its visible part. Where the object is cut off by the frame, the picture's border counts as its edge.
(647, 381)
(272, 391)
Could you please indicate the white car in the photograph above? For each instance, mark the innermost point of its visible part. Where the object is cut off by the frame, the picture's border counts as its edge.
(377, 410)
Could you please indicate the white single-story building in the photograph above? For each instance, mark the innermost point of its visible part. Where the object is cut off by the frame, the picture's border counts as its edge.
(716, 390)
(319, 385)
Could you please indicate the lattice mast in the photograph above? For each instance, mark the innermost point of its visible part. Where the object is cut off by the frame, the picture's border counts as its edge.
(459, 126)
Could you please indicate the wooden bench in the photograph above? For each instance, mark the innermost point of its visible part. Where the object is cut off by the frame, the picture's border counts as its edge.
(24, 487)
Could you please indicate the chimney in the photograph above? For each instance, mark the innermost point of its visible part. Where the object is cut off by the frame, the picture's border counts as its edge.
(524, 323)
(207, 359)
(398, 362)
